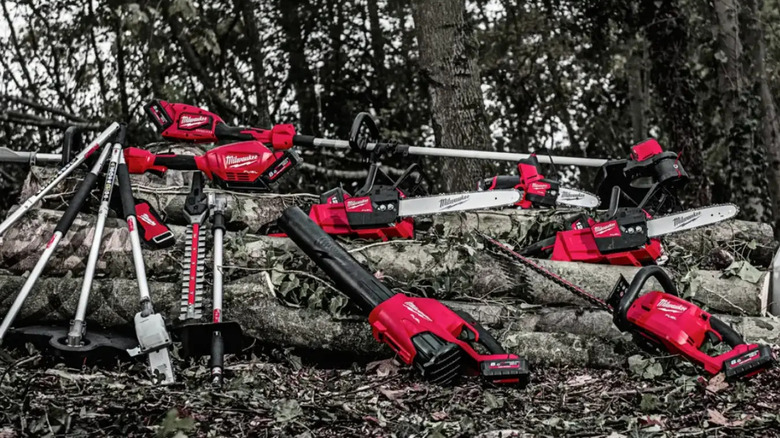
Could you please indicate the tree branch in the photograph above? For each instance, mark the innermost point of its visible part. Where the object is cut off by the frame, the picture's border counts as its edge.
(41, 107)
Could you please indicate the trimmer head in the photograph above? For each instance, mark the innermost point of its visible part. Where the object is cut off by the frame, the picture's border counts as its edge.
(96, 345)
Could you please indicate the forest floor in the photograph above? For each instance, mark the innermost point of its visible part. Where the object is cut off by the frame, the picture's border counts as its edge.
(275, 395)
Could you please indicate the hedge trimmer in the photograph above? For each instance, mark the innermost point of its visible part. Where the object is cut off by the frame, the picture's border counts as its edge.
(662, 321)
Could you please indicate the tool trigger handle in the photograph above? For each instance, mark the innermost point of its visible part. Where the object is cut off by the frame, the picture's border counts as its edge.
(725, 332)
(621, 313)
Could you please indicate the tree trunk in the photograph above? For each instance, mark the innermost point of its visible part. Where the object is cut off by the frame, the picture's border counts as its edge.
(770, 123)
(450, 268)
(378, 85)
(256, 56)
(299, 74)
(637, 93)
(448, 59)
(544, 336)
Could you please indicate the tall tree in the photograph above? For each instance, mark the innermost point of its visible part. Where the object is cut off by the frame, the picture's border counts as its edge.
(448, 63)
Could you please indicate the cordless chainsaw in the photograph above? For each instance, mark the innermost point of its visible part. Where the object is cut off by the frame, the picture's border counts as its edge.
(537, 190)
(662, 321)
(425, 333)
(629, 236)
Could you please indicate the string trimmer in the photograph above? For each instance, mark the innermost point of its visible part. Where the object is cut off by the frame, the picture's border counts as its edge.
(662, 321)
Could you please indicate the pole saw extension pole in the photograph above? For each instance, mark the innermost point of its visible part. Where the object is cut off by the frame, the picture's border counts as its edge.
(178, 121)
(59, 231)
(64, 172)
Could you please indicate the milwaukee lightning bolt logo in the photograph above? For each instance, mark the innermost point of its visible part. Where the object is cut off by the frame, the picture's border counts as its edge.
(685, 220)
(358, 203)
(604, 228)
(146, 219)
(667, 306)
(416, 311)
(188, 121)
(236, 161)
(446, 203)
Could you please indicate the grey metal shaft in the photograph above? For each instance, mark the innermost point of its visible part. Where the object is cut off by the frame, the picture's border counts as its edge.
(64, 172)
(467, 153)
(774, 286)
(138, 257)
(76, 328)
(28, 285)
(11, 156)
(218, 236)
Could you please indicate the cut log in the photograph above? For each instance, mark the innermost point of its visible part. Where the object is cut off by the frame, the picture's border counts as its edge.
(445, 269)
(167, 195)
(252, 212)
(753, 240)
(545, 336)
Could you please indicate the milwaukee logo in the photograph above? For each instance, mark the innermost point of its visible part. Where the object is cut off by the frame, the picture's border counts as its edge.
(685, 220)
(446, 203)
(416, 311)
(571, 196)
(356, 204)
(601, 229)
(668, 306)
(235, 161)
(539, 186)
(187, 121)
(147, 219)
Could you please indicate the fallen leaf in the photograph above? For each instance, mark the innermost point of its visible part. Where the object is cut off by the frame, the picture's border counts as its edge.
(287, 410)
(384, 367)
(717, 383)
(716, 417)
(391, 394)
(439, 415)
(579, 380)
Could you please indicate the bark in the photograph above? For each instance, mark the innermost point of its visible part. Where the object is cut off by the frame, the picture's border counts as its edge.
(448, 60)
(378, 83)
(299, 74)
(546, 336)
(446, 269)
(637, 91)
(770, 123)
(729, 75)
(258, 70)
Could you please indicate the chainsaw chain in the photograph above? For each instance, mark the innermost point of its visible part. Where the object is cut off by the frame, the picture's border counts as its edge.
(689, 211)
(525, 261)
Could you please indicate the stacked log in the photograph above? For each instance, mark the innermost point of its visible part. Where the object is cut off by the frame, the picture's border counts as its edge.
(285, 300)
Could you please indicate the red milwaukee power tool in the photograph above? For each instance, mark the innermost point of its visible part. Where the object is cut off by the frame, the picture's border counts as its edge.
(629, 236)
(538, 191)
(425, 333)
(244, 166)
(650, 177)
(662, 321)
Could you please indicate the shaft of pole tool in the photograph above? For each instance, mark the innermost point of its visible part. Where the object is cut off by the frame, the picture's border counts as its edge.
(31, 158)
(308, 141)
(78, 326)
(216, 361)
(101, 140)
(59, 231)
(153, 337)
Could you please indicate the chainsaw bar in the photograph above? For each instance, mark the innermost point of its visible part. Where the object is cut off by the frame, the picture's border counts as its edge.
(577, 198)
(193, 267)
(555, 278)
(690, 219)
(456, 202)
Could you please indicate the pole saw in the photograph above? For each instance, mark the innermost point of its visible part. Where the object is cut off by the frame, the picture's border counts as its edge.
(662, 321)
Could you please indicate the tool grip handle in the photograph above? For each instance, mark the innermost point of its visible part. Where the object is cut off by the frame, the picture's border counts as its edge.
(176, 162)
(306, 141)
(639, 280)
(76, 202)
(483, 336)
(125, 189)
(350, 278)
(728, 334)
(216, 361)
